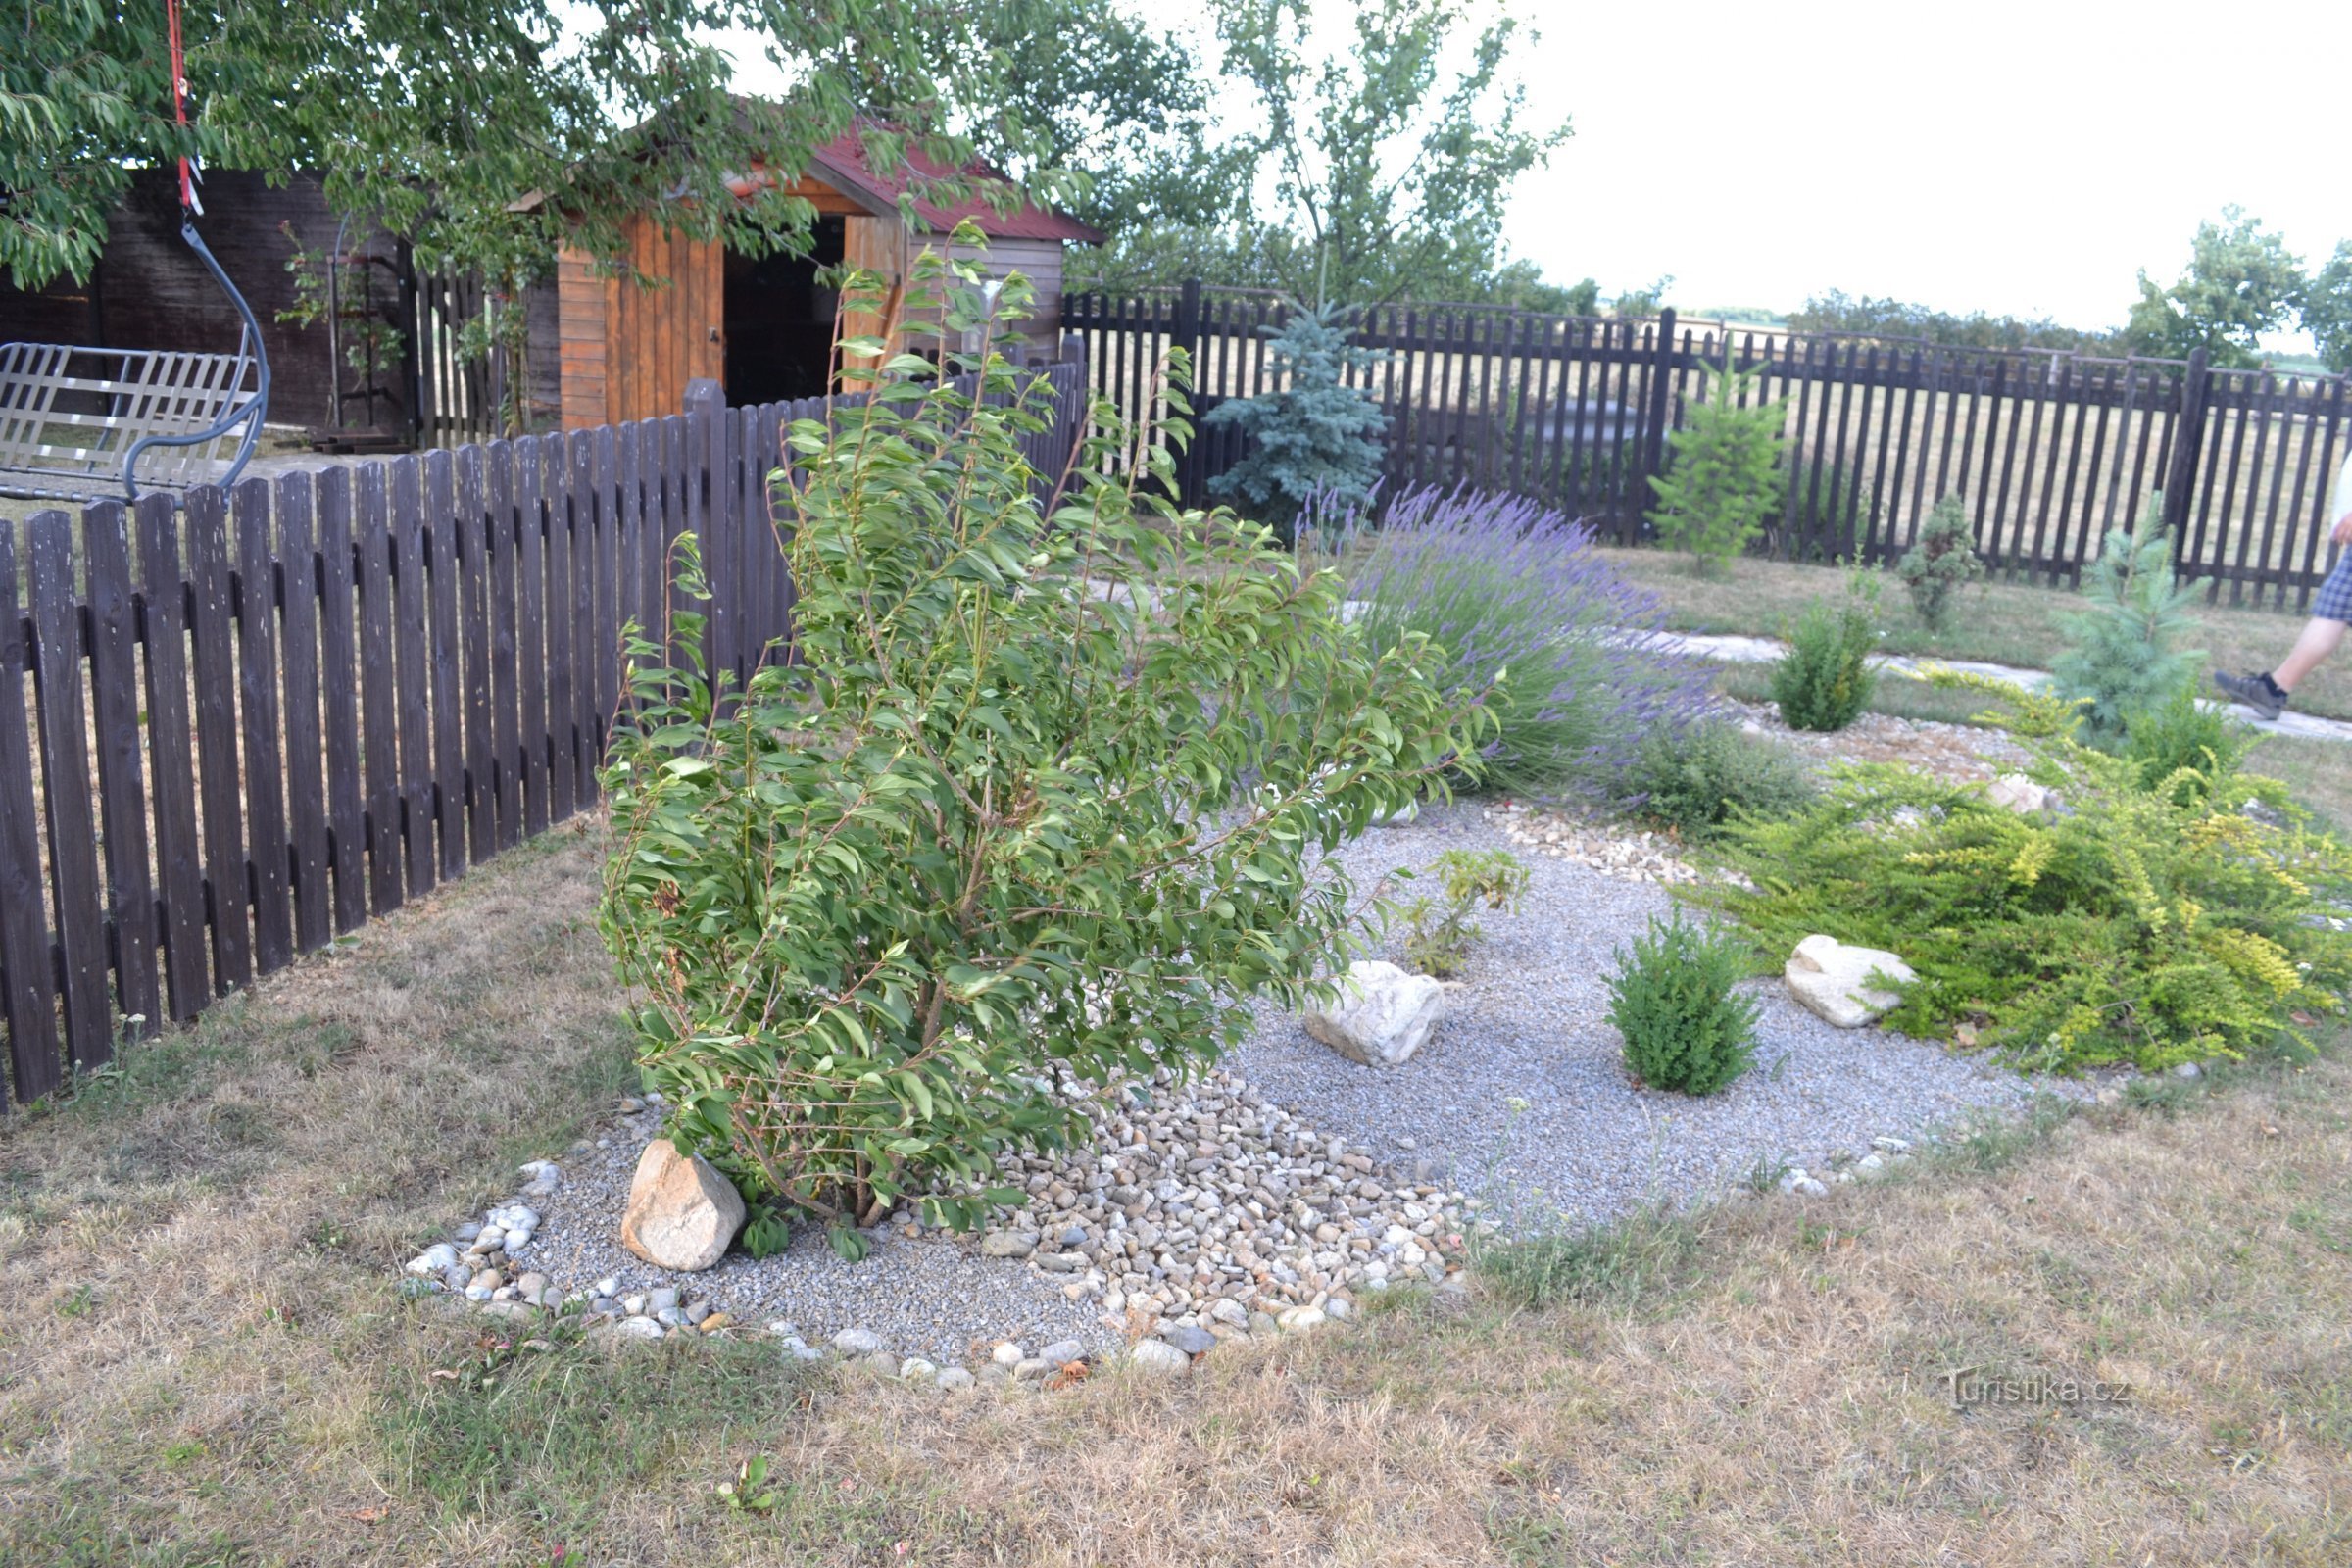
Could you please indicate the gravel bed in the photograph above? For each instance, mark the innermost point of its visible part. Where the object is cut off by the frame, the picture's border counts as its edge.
(1521, 1095)
(1272, 1191)
(922, 1294)
(1955, 752)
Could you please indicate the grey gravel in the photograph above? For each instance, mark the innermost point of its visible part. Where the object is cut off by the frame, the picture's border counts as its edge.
(922, 1295)
(1522, 1096)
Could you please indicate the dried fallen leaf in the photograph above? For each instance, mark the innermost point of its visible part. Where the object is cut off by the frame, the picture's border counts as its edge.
(442, 1374)
(367, 1516)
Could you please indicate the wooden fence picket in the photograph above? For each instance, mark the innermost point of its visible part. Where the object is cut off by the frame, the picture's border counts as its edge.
(245, 722)
(2047, 452)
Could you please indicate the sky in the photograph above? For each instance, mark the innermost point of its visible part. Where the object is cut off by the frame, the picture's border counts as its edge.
(2014, 158)
(2008, 156)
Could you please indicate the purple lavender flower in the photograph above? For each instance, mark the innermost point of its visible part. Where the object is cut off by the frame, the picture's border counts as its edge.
(1503, 582)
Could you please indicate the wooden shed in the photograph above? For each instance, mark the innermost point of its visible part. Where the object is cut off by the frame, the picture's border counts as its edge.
(763, 329)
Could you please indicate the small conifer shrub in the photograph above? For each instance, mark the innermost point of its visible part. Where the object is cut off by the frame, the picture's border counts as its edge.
(2183, 747)
(1315, 442)
(1720, 478)
(2126, 653)
(1942, 561)
(1825, 679)
(1676, 999)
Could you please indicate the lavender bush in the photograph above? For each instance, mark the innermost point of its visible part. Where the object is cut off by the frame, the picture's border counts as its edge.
(1504, 582)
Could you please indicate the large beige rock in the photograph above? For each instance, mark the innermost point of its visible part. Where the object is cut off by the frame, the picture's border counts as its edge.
(1381, 1015)
(1833, 981)
(682, 1213)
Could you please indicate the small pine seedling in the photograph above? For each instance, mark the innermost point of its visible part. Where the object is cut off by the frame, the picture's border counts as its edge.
(1940, 564)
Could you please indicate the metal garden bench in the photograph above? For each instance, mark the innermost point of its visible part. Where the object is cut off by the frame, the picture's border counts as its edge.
(92, 424)
(87, 425)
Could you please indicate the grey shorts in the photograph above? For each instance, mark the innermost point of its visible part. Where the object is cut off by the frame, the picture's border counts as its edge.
(2334, 602)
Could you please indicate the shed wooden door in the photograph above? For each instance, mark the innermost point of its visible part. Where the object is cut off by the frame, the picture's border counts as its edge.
(628, 350)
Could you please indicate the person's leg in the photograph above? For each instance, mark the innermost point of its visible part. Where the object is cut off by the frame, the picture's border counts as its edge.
(2320, 639)
(2331, 614)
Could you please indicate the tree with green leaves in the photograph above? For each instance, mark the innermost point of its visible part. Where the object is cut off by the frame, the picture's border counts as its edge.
(436, 119)
(1087, 89)
(1001, 837)
(2327, 310)
(1385, 164)
(1635, 303)
(1722, 472)
(2242, 282)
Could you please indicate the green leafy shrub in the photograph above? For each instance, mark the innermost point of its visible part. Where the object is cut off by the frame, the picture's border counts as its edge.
(1940, 562)
(1720, 477)
(2123, 652)
(994, 822)
(2138, 925)
(2184, 747)
(1316, 441)
(1698, 778)
(1825, 679)
(1441, 932)
(1675, 999)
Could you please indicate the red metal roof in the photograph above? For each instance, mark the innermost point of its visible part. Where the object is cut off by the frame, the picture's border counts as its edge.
(843, 163)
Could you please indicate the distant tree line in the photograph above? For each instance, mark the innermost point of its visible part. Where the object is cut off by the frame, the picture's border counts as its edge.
(2242, 285)
(1866, 316)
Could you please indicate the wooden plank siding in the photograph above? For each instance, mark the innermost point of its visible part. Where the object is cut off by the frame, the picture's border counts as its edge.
(628, 350)
(877, 245)
(355, 684)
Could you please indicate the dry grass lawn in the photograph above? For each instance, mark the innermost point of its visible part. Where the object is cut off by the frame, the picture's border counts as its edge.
(206, 1360)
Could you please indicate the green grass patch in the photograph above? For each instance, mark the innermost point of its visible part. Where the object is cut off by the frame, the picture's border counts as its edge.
(1637, 1263)
(493, 1429)
(1995, 623)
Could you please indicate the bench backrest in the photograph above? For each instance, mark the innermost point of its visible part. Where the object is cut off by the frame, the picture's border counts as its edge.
(69, 417)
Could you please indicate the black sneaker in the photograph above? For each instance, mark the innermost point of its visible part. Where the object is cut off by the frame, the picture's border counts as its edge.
(2256, 691)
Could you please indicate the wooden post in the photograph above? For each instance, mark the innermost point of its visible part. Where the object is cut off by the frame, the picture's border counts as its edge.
(708, 498)
(1187, 336)
(1657, 408)
(2188, 440)
(412, 353)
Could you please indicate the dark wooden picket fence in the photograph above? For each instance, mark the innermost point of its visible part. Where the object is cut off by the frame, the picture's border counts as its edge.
(240, 727)
(2046, 451)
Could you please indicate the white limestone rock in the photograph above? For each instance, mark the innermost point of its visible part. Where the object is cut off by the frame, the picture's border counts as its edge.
(2014, 792)
(1381, 1015)
(1835, 982)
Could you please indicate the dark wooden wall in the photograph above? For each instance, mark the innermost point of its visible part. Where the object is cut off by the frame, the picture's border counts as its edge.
(149, 290)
